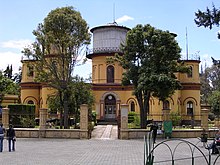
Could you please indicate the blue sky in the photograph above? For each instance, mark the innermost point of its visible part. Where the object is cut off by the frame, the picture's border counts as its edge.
(18, 18)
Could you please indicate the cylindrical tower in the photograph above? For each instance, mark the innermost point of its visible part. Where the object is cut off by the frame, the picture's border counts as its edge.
(108, 38)
(106, 42)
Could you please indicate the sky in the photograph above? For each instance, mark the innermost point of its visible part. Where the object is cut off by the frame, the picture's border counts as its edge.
(18, 19)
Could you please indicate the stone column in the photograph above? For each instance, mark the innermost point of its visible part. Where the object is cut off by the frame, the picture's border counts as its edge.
(5, 117)
(43, 118)
(84, 121)
(124, 121)
(204, 118)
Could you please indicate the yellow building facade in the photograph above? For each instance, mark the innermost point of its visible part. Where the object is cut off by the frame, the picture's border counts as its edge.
(106, 83)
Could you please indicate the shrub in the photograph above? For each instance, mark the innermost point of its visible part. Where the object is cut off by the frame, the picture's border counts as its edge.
(175, 117)
(211, 116)
(21, 115)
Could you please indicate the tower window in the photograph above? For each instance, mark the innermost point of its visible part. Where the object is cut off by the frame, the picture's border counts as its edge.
(110, 74)
(30, 71)
(190, 74)
(189, 107)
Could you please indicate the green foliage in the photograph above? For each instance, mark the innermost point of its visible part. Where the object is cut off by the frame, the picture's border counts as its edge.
(214, 101)
(208, 18)
(175, 117)
(211, 116)
(150, 60)
(206, 82)
(131, 116)
(79, 93)
(8, 72)
(21, 115)
(134, 119)
(94, 117)
(60, 40)
(7, 86)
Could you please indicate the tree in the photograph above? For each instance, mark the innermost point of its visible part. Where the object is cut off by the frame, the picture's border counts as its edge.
(213, 100)
(208, 18)
(150, 60)
(206, 89)
(80, 94)
(8, 72)
(7, 86)
(60, 40)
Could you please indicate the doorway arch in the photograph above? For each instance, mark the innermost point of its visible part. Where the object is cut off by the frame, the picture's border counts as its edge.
(110, 107)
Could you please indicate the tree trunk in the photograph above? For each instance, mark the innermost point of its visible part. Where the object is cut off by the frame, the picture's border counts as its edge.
(61, 110)
(144, 108)
(66, 111)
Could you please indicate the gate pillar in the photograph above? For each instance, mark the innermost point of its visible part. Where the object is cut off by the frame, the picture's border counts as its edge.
(5, 117)
(43, 118)
(204, 118)
(84, 134)
(124, 122)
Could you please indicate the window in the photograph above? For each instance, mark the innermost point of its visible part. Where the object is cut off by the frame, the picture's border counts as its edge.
(189, 107)
(30, 71)
(191, 72)
(30, 102)
(132, 107)
(166, 104)
(110, 74)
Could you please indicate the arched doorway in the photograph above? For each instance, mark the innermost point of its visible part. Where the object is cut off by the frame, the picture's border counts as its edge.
(110, 107)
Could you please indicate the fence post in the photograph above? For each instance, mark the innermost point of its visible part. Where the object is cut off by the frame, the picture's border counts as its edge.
(84, 121)
(124, 121)
(43, 118)
(204, 118)
(5, 117)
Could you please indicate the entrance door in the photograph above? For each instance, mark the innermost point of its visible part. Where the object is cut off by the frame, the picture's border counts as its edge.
(110, 107)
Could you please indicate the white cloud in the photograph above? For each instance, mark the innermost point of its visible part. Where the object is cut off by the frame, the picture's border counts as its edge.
(206, 60)
(124, 19)
(8, 58)
(16, 44)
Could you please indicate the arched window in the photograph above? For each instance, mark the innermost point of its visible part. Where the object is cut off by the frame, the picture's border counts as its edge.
(190, 74)
(166, 104)
(132, 107)
(189, 107)
(110, 74)
(30, 71)
(30, 102)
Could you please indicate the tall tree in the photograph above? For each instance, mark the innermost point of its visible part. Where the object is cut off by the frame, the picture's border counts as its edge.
(8, 72)
(7, 86)
(150, 60)
(206, 89)
(208, 18)
(214, 101)
(60, 40)
(79, 93)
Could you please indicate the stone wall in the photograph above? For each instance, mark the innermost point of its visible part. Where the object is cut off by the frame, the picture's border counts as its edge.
(192, 133)
(47, 133)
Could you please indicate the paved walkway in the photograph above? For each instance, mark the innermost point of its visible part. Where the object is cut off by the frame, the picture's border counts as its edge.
(109, 132)
(103, 149)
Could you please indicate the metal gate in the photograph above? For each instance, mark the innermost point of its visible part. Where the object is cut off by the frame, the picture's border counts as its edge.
(191, 152)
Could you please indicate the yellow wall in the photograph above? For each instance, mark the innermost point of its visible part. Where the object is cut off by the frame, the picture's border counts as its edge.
(39, 93)
(190, 91)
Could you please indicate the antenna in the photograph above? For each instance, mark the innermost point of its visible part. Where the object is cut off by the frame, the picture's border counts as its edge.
(114, 13)
(187, 51)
